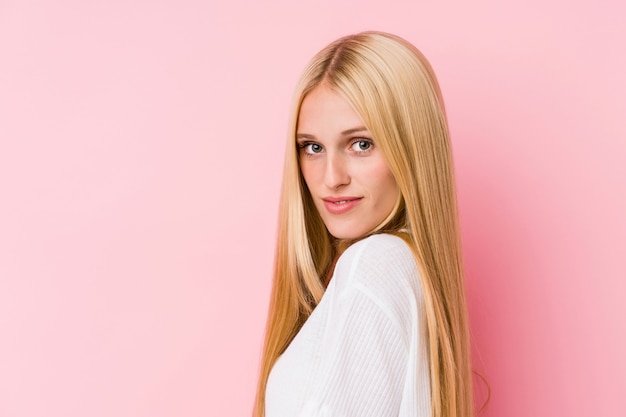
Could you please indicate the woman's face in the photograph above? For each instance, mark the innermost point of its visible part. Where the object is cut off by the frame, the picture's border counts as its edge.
(346, 173)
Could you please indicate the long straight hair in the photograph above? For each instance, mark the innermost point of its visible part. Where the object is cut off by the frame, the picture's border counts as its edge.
(393, 88)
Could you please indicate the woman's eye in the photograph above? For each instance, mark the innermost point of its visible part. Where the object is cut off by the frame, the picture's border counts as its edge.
(312, 148)
(362, 145)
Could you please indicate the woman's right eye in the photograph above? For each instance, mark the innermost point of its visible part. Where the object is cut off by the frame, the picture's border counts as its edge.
(311, 148)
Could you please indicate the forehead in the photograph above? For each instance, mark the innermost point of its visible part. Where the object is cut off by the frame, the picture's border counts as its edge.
(324, 110)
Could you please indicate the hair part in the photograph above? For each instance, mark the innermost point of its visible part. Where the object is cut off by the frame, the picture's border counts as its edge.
(393, 88)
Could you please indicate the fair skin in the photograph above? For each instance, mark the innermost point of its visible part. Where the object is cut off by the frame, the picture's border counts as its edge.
(345, 172)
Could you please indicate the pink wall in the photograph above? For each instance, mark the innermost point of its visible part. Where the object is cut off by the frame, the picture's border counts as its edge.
(140, 157)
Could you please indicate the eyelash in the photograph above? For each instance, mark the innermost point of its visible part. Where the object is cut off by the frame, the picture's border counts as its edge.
(303, 146)
(359, 140)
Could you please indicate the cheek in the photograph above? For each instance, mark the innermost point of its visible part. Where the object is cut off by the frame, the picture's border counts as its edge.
(383, 182)
(305, 173)
(391, 191)
(309, 174)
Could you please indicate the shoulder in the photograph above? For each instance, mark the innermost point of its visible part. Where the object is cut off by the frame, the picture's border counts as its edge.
(378, 252)
(382, 269)
(381, 263)
(382, 248)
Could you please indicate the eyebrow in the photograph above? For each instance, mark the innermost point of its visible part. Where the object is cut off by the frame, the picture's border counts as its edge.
(354, 130)
(344, 133)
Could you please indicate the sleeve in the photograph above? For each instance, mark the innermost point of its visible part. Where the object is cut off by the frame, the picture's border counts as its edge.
(362, 363)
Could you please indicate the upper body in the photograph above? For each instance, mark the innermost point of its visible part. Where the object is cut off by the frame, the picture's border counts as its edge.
(368, 157)
(363, 350)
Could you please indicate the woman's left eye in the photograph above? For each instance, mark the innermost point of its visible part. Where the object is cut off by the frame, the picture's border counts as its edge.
(362, 145)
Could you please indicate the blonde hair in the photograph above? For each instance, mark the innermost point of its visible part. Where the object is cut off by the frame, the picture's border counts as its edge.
(393, 88)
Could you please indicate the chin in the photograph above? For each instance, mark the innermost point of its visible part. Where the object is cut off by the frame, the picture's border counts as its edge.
(346, 233)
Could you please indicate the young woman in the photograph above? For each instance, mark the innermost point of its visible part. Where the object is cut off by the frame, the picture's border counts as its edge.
(367, 315)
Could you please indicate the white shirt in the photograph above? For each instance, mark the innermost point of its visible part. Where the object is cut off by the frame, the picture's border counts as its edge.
(363, 351)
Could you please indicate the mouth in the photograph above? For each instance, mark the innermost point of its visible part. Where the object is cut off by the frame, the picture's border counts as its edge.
(339, 201)
(340, 205)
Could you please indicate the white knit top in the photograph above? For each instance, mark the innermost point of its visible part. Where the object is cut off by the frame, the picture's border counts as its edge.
(363, 350)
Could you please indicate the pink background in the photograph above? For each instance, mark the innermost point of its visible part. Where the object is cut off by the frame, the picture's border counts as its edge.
(141, 145)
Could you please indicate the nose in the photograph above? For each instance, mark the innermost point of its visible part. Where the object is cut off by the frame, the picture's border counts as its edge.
(336, 174)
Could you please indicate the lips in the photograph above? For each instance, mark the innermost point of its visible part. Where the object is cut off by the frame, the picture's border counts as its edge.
(340, 205)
